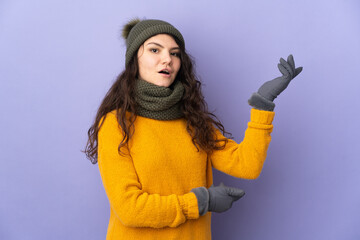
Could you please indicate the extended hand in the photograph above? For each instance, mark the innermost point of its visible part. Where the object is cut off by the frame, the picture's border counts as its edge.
(271, 89)
(222, 197)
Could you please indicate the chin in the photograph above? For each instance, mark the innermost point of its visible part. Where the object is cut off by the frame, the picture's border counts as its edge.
(164, 84)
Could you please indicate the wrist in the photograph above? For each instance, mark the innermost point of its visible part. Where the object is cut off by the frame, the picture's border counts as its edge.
(259, 102)
(202, 195)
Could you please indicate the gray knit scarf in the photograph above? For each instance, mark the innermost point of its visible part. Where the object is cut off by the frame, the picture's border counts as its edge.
(160, 103)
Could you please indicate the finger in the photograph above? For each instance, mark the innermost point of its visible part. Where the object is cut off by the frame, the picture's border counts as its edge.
(235, 192)
(238, 196)
(291, 61)
(298, 70)
(283, 70)
(287, 66)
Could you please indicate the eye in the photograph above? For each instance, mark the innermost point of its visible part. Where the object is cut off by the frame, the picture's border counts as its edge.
(154, 50)
(176, 54)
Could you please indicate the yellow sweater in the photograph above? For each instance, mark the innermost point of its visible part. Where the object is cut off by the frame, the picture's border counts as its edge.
(149, 193)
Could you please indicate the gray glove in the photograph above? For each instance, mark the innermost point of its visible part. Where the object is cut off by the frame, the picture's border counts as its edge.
(266, 94)
(216, 199)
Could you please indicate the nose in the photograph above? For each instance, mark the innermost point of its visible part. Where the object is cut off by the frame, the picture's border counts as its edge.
(166, 58)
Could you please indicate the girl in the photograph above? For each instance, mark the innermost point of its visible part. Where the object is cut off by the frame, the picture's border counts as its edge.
(156, 142)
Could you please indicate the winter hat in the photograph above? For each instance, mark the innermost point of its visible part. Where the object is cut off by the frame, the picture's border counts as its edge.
(137, 31)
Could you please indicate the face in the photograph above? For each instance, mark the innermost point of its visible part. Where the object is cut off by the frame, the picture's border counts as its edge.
(159, 60)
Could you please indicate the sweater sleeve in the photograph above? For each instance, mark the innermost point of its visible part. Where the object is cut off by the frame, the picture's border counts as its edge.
(245, 160)
(133, 206)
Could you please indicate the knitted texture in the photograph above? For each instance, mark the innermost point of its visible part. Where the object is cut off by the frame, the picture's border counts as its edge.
(149, 192)
(146, 29)
(157, 102)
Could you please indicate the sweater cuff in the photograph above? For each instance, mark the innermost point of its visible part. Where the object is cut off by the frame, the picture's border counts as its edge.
(260, 119)
(188, 203)
(261, 116)
(259, 102)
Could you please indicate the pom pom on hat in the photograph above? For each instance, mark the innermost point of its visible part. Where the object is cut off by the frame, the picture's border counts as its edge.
(127, 28)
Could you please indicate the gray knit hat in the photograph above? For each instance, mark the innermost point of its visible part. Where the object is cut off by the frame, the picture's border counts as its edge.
(137, 31)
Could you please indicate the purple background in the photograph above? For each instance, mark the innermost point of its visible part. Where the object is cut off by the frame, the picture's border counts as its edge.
(58, 59)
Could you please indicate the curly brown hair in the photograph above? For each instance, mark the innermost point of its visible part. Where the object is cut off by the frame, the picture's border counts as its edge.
(121, 97)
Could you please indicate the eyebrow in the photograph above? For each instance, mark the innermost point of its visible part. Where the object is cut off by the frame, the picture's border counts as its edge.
(161, 45)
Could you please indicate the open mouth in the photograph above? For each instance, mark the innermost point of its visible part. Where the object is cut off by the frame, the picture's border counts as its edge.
(165, 72)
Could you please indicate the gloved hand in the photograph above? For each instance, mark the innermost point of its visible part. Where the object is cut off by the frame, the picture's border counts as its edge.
(216, 199)
(266, 94)
(222, 197)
